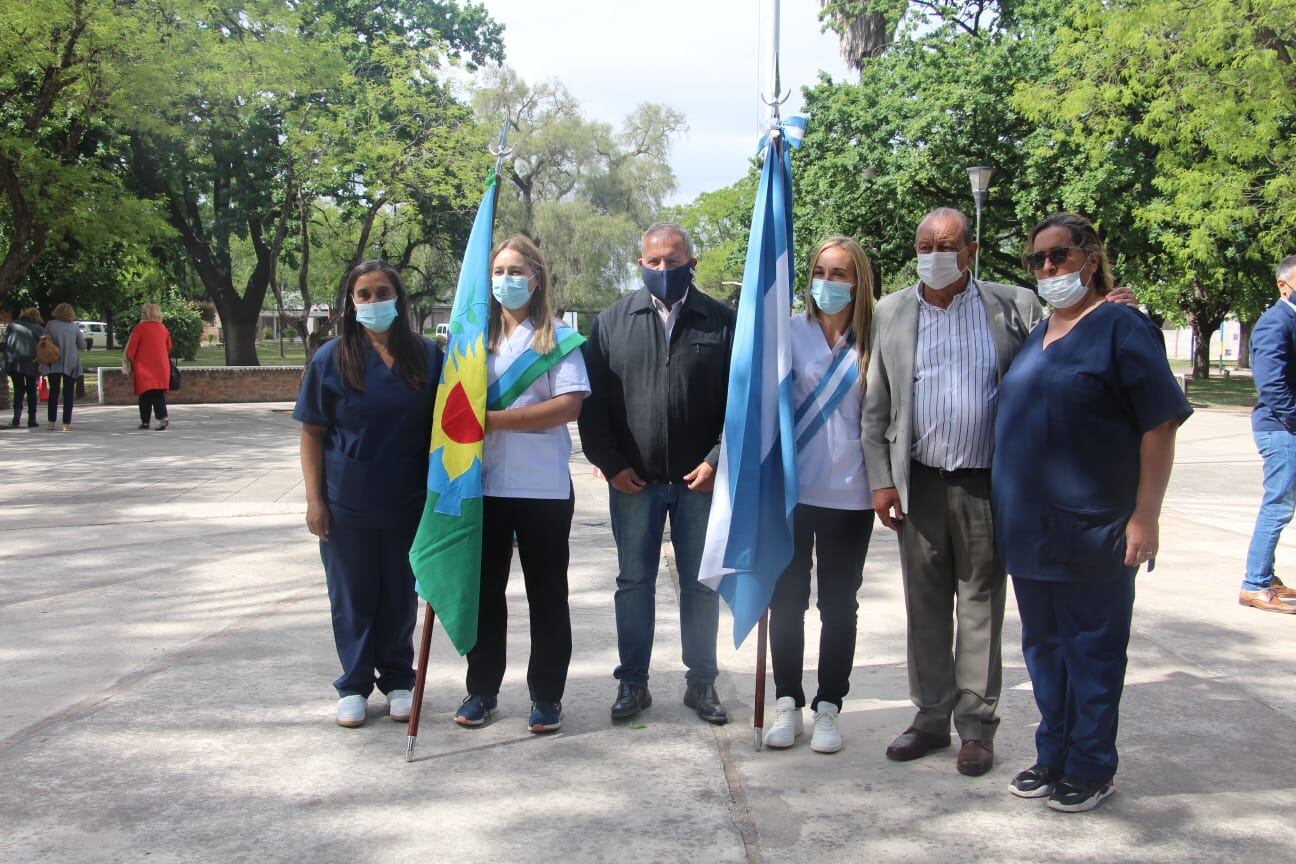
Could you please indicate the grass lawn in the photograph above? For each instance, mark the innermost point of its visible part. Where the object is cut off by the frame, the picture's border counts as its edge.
(1237, 391)
(208, 355)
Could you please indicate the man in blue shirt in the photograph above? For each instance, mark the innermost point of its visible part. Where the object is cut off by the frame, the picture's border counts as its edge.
(1273, 423)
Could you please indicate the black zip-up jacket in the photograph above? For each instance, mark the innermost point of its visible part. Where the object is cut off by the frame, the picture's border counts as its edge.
(653, 407)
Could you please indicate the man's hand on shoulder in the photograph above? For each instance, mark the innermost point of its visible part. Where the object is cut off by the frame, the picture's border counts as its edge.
(1124, 296)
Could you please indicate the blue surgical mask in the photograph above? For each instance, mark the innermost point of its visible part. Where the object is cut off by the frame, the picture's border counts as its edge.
(1062, 292)
(376, 317)
(668, 286)
(831, 297)
(512, 292)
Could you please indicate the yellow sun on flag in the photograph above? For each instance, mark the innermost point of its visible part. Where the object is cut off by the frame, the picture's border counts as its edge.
(459, 421)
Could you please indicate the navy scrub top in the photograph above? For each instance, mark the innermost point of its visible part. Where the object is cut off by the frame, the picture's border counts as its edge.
(1064, 479)
(376, 450)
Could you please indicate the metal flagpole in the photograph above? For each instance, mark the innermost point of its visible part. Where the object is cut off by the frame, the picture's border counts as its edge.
(772, 100)
(500, 151)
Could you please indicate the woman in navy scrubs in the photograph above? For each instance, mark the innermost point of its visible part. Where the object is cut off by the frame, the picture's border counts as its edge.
(366, 412)
(537, 383)
(1084, 443)
(834, 512)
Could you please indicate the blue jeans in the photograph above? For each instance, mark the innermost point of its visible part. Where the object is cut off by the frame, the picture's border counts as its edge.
(1278, 449)
(637, 524)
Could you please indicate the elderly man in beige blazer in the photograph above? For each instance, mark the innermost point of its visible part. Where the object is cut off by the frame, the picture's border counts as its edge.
(939, 351)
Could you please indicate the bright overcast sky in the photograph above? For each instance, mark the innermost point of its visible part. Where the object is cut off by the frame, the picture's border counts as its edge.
(698, 56)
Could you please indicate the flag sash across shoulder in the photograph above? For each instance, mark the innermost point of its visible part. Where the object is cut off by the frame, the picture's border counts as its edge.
(528, 366)
(446, 555)
(749, 531)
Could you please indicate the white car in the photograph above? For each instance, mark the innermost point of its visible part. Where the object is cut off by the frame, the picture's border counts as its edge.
(93, 331)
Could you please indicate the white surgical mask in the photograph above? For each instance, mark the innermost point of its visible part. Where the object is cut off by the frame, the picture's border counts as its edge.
(939, 270)
(1062, 292)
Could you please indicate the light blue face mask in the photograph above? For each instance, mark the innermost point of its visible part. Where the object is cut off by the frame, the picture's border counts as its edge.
(376, 317)
(831, 297)
(512, 292)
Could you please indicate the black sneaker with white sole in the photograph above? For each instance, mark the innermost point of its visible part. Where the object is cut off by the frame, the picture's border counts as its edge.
(1035, 782)
(1073, 795)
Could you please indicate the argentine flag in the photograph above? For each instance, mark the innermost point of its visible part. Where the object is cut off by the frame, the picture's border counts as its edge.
(749, 533)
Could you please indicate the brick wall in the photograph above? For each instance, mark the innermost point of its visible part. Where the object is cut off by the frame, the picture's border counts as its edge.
(212, 384)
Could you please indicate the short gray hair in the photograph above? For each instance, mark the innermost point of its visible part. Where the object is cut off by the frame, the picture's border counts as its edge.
(672, 228)
(1285, 268)
(955, 214)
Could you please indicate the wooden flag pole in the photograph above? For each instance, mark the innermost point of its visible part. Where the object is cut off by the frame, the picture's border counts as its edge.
(758, 710)
(420, 681)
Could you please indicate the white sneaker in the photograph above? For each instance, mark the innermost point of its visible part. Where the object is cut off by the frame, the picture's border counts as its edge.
(351, 710)
(399, 705)
(787, 724)
(826, 738)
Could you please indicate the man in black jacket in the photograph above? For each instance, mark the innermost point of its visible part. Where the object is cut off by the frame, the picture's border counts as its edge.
(658, 364)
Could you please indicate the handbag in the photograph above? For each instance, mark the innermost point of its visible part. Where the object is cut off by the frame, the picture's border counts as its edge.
(175, 377)
(47, 353)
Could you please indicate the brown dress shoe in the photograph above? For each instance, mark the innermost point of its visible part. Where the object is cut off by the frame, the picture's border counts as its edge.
(1281, 590)
(975, 757)
(1266, 599)
(912, 743)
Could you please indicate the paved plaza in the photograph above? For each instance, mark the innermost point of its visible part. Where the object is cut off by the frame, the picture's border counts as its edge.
(166, 657)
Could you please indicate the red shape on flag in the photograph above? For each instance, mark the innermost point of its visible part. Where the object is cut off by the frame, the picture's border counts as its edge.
(458, 420)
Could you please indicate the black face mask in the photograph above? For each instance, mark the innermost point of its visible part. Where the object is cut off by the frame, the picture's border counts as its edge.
(668, 286)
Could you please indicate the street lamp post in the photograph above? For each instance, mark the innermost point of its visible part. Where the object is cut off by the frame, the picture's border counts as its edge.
(980, 177)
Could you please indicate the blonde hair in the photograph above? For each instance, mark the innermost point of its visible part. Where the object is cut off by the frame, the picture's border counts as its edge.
(861, 319)
(538, 311)
(150, 312)
(64, 312)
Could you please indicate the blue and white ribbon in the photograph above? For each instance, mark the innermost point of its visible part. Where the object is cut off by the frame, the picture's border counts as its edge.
(792, 129)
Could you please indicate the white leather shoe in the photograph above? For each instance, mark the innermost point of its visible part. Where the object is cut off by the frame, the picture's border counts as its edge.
(826, 737)
(351, 710)
(787, 724)
(399, 705)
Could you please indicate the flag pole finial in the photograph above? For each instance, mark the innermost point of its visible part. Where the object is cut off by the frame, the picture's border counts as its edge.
(501, 150)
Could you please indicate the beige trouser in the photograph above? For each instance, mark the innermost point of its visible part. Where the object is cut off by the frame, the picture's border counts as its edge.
(947, 552)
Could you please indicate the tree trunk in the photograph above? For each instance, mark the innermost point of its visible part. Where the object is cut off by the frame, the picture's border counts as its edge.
(1244, 345)
(1206, 312)
(240, 340)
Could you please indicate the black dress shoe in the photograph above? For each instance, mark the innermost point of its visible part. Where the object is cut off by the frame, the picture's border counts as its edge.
(913, 744)
(631, 699)
(702, 698)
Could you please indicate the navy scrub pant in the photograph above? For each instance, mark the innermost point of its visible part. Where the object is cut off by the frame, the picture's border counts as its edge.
(371, 591)
(1074, 637)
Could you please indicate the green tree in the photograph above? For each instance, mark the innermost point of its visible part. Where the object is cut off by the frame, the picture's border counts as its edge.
(73, 76)
(1205, 92)
(582, 189)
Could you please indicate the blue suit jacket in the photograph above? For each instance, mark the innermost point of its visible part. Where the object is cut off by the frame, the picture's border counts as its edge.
(1273, 362)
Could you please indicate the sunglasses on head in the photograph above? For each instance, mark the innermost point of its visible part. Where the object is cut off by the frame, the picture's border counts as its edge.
(1058, 254)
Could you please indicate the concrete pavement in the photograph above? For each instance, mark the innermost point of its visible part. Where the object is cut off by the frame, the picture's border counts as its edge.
(166, 653)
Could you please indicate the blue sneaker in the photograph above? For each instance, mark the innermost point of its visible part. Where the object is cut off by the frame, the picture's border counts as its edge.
(545, 716)
(476, 710)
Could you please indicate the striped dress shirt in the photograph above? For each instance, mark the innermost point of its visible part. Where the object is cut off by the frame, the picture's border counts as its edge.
(956, 384)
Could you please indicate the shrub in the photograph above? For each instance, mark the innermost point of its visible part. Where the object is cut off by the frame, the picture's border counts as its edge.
(181, 318)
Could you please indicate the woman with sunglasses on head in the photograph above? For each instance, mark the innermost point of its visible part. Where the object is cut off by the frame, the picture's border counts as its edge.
(365, 407)
(536, 384)
(1084, 442)
(833, 518)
